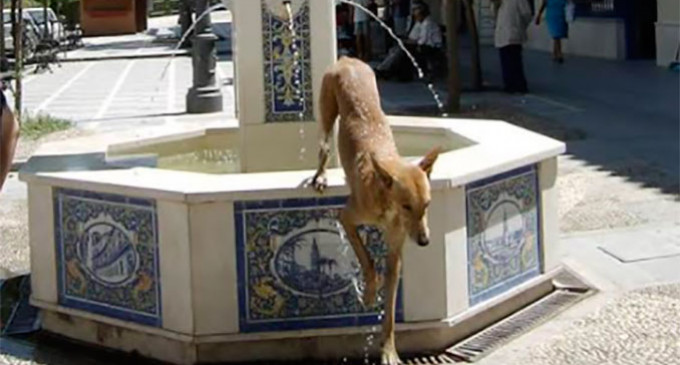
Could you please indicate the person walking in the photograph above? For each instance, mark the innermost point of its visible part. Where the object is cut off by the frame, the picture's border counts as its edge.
(9, 136)
(512, 19)
(362, 31)
(401, 9)
(555, 16)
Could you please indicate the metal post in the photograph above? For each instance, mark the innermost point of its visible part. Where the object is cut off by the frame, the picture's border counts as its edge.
(204, 96)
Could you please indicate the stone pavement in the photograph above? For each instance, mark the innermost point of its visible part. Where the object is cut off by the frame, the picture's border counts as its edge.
(159, 40)
(131, 80)
(635, 328)
(112, 94)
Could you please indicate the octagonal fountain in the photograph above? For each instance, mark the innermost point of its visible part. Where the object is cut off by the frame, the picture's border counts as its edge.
(215, 251)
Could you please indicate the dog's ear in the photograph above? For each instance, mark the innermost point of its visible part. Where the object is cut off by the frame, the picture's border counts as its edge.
(428, 161)
(383, 175)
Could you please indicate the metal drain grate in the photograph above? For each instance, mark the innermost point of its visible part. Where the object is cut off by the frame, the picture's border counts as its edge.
(481, 344)
(431, 360)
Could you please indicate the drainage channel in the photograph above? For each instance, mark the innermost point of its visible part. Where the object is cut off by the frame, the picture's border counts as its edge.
(491, 338)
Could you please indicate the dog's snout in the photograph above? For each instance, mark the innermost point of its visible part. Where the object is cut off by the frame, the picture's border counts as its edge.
(423, 241)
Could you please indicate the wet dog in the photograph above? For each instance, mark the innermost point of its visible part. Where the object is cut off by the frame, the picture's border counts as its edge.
(386, 191)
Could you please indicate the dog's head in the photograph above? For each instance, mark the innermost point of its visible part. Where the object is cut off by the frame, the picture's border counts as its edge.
(408, 195)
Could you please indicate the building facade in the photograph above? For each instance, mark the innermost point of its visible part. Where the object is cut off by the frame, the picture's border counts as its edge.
(620, 30)
(111, 17)
(667, 31)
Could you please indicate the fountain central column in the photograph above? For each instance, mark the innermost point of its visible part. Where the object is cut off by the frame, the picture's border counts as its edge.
(278, 79)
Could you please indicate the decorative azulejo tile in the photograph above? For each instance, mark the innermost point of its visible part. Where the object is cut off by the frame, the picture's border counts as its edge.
(503, 232)
(107, 255)
(295, 271)
(287, 64)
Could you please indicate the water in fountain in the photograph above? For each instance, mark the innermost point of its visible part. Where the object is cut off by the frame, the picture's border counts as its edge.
(421, 74)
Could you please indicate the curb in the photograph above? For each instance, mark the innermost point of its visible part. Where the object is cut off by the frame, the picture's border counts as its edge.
(17, 165)
(127, 56)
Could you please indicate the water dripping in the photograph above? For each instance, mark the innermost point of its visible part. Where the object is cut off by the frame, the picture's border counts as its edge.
(296, 75)
(419, 70)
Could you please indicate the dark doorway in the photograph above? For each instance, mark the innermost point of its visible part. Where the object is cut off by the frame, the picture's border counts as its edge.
(641, 29)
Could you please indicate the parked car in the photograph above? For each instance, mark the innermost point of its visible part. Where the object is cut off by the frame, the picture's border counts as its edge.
(54, 25)
(31, 36)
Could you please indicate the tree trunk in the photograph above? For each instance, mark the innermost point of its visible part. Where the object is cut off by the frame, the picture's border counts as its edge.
(476, 66)
(452, 11)
(13, 20)
(2, 32)
(46, 33)
(18, 57)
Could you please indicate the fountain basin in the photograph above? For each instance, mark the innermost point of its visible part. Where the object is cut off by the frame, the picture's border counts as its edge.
(191, 267)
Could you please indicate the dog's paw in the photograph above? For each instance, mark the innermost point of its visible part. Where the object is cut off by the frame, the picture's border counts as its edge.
(319, 182)
(390, 357)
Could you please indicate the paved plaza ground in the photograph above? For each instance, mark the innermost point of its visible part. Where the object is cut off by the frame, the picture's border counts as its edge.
(618, 183)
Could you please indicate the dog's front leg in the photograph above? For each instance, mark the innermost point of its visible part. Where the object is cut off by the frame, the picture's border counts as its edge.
(349, 221)
(389, 348)
(319, 181)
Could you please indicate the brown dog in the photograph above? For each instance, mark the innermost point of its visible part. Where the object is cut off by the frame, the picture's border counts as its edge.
(386, 191)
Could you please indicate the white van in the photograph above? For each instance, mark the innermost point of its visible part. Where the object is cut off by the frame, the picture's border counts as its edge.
(54, 26)
(31, 35)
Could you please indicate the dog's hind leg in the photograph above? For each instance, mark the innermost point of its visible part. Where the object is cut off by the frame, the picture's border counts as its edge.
(328, 105)
(349, 221)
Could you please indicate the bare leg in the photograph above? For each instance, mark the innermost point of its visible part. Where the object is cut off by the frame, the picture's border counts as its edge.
(558, 50)
(349, 222)
(389, 349)
(10, 137)
(360, 46)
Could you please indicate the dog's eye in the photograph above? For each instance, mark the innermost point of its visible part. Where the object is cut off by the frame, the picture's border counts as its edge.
(407, 207)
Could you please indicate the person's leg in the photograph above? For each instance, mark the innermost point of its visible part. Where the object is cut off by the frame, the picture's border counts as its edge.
(368, 46)
(359, 38)
(516, 71)
(505, 67)
(521, 82)
(405, 68)
(388, 63)
(400, 26)
(558, 50)
(427, 60)
(8, 143)
(402, 69)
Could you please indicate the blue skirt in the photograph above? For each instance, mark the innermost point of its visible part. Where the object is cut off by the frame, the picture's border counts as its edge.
(556, 18)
